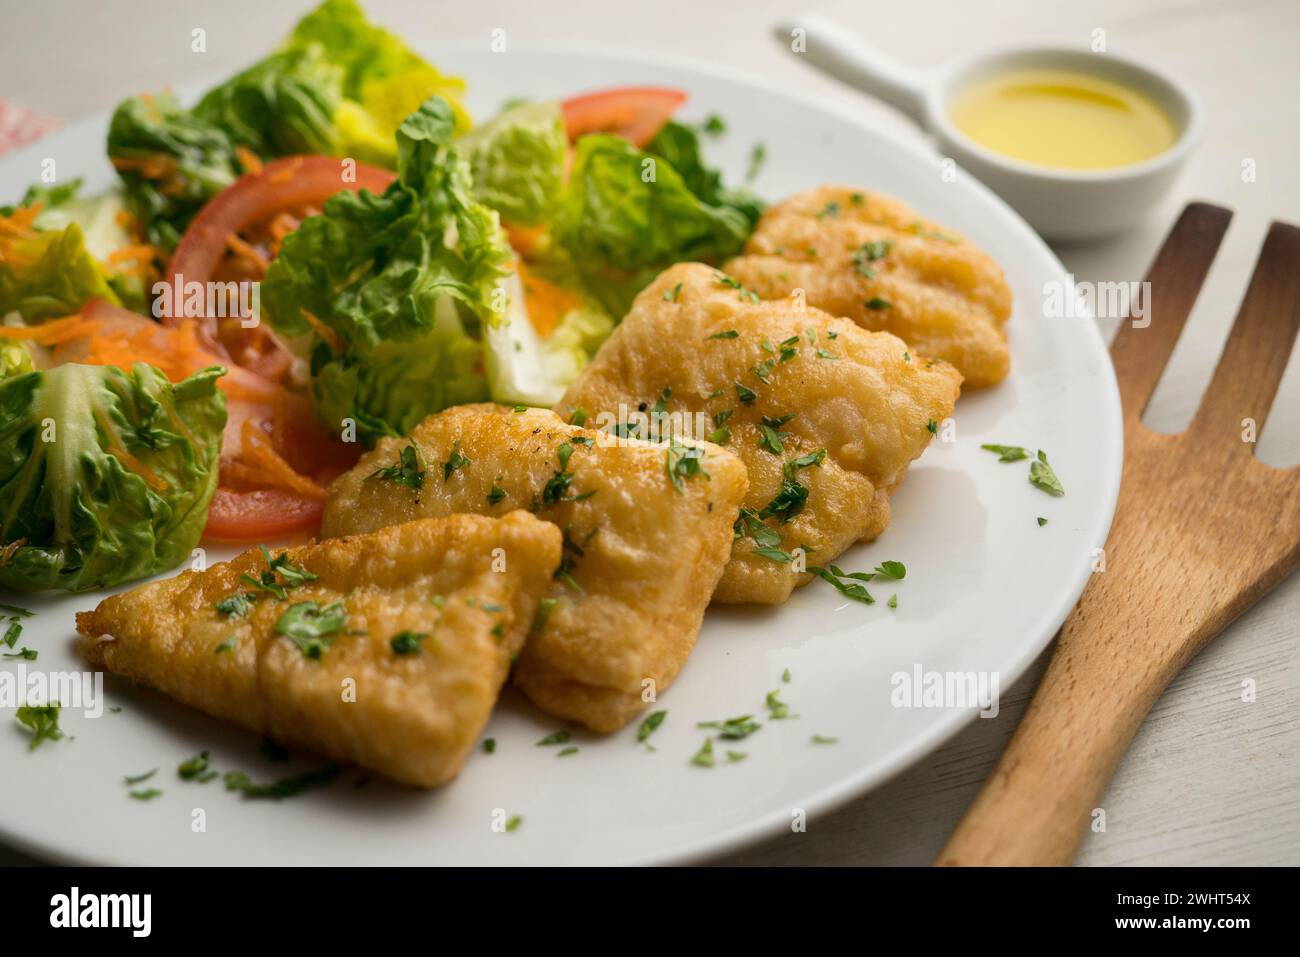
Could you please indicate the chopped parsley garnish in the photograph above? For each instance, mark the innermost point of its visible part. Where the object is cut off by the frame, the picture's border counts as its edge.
(771, 438)
(777, 709)
(736, 756)
(42, 721)
(543, 612)
(578, 416)
(869, 253)
(724, 334)
(674, 294)
(714, 125)
(826, 354)
(1042, 477)
(682, 462)
(407, 642)
(519, 408)
(514, 822)
(732, 729)
(788, 502)
(932, 426)
(196, 769)
(15, 611)
(774, 555)
(148, 794)
(744, 394)
(408, 471)
(229, 644)
(490, 746)
(720, 433)
(650, 724)
(894, 570)
(1041, 521)
(496, 495)
(848, 585)
(789, 348)
(831, 209)
(26, 654)
(292, 575)
(764, 370)
(820, 739)
(555, 737)
(877, 303)
(564, 753)
(893, 601)
(133, 779)
(455, 461)
(237, 605)
(1006, 453)
(308, 625)
(785, 675)
(757, 157)
(285, 787)
(704, 757)
(12, 634)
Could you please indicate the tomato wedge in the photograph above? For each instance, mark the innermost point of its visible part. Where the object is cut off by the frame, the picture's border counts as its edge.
(260, 514)
(289, 183)
(636, 113)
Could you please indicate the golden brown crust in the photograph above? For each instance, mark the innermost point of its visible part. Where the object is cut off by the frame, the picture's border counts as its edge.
(932, 288)
(860, 395)
(411, 717)
(642, 557)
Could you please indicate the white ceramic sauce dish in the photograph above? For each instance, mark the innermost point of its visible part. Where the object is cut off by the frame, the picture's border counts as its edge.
(1062, 204)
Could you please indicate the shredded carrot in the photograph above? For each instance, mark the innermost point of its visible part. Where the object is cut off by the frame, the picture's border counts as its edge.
(141, 255)
(52, 332)
(525, 240)
(330, 337)
(241, 248)
(546, 302)
(129, 461)
(249, 160)
(154, 166)
(260, 464)
(287, 173)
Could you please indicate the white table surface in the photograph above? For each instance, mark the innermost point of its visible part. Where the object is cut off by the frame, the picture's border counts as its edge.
(1209, 779)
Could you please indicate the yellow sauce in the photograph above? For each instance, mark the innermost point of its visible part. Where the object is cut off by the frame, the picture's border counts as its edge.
(1064, 119)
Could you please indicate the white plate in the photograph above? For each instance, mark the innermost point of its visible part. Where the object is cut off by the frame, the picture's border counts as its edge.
(986, 588)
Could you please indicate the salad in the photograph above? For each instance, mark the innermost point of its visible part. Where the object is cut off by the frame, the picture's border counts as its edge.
(318, 253)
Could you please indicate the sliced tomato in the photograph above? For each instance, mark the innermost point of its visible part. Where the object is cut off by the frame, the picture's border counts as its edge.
(284, 184)
(259, 514)
(636, 113)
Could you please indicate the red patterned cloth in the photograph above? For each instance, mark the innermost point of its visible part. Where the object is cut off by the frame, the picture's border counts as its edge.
(20, 126)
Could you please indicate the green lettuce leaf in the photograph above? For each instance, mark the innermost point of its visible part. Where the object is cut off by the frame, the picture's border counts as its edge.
(405, 281)
(517, 160)
(679, 144)
(339, 86)
(50, 275)
(105, 475)
(627, 215)
(171, 162)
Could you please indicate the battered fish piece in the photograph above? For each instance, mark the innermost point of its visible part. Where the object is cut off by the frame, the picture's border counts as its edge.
(826, 416)
(647, 530)
(872, 259)
(422, 617)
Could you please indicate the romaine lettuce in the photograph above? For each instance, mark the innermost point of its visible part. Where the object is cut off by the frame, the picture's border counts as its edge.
(627, 215)
(105, 475)
(339, 86)
(517, 160)
(49, 275)
(403, 283)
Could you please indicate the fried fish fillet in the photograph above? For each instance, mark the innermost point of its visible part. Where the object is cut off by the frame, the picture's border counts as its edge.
(826, 416)
(645, 540)
(418, 622)
(871, 259)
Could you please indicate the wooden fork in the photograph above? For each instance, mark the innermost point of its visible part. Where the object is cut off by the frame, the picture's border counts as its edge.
(1202, 530)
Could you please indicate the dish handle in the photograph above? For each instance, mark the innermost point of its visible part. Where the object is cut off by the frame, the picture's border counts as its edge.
(838, 52)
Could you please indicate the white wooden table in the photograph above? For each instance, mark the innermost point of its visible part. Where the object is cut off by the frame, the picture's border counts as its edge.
(1210, 779)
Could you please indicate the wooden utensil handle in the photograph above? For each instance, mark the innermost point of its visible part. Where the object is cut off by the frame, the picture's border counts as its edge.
(1116, 653)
